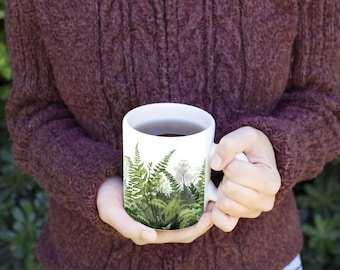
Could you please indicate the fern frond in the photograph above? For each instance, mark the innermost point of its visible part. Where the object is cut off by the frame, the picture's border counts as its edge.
(174, 185)
(158, 203)
(163, 164)
(201, 184)
(171, 209)
(190, 216)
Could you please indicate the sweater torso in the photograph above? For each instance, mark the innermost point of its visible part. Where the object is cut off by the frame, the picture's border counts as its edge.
(121, 54)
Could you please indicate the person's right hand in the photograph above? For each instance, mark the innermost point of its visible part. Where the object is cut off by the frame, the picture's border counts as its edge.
(111, 211)
(248, 188)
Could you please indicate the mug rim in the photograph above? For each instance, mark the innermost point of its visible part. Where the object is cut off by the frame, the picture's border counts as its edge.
(204, 119)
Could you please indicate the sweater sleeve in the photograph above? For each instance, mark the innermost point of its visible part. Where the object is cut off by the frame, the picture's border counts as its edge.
(48, 142)
(304, 128)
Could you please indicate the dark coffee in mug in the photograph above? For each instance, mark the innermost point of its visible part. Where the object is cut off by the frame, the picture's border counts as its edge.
(170, 128)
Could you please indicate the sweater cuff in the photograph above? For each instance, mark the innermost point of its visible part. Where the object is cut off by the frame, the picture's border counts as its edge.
(111, 164)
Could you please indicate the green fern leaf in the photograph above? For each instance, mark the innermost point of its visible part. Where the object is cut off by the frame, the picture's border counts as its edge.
(201, 184)
(158, 203)
(174, 185)
(171, 210)
(190, 215)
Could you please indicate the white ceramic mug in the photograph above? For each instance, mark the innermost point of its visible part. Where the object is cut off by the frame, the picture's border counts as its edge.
(167, 150)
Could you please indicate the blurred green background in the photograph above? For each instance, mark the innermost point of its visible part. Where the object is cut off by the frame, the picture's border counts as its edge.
(23, 205)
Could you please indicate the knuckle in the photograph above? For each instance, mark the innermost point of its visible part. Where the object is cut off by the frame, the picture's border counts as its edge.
(227, 190)
(226, 228)
(272, 180)
(229, 226)
(225, 144)
(269, 206)
(254, 214)
(224, 205)
(231, 170)
(276, 184)
(252, 133)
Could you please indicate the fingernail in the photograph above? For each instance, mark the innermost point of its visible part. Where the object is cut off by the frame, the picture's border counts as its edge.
(216, 162)
(149, 236)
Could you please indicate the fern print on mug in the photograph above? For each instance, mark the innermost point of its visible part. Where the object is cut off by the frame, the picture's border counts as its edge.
(167, 150)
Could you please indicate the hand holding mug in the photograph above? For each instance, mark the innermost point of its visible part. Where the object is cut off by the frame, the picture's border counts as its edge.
(248, 188)
(111, 210)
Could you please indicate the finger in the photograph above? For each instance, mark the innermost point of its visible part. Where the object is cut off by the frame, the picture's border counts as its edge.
(254, 176)
(233, 200)
(240, 208)
(248, 140)
(251, 200)
(225, 222)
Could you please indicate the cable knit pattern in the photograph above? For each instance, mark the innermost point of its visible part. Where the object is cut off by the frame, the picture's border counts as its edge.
(80, 65)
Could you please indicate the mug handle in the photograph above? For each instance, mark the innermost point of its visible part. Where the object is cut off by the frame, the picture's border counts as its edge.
(211, 190)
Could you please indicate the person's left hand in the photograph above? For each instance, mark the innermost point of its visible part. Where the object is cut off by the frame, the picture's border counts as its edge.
(111, 210)
(249, 187)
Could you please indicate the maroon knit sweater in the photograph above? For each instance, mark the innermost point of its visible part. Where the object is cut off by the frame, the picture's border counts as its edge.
(80, 65)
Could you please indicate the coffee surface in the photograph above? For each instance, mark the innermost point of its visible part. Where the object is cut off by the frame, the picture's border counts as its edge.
(169, 128)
